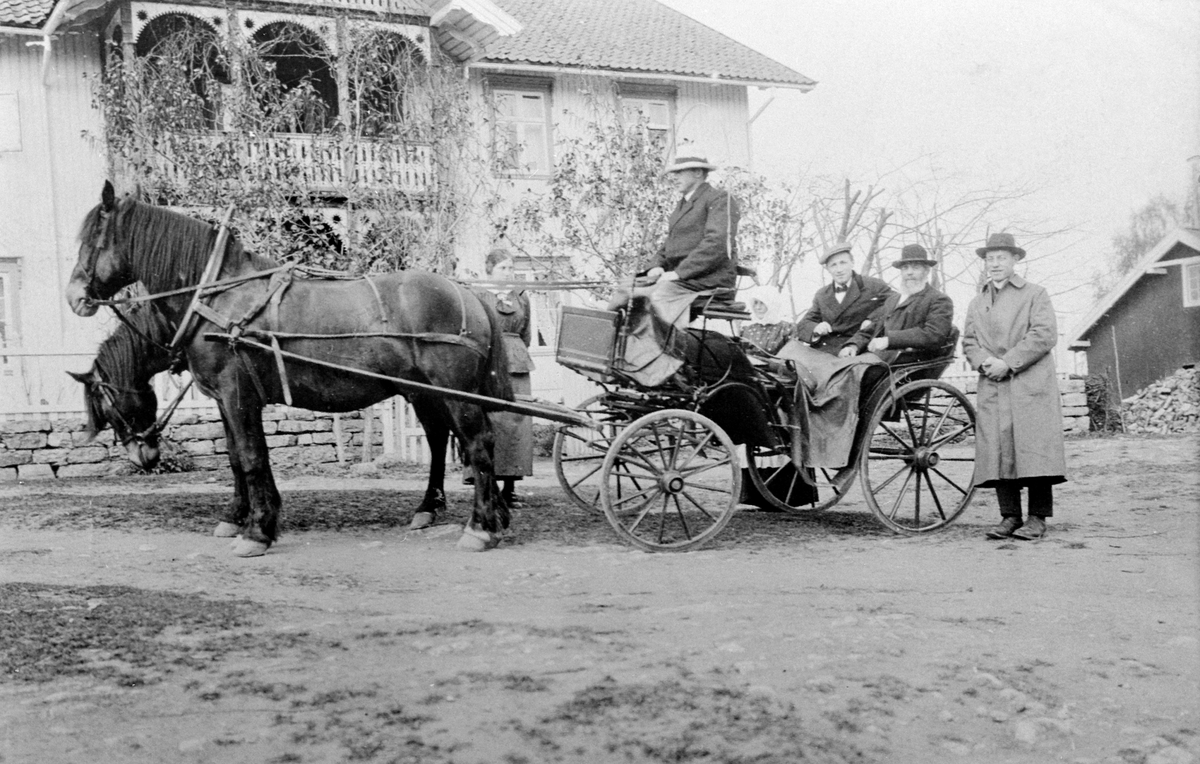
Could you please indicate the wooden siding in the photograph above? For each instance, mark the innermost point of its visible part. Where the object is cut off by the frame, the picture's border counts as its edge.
(45, 190)
(1155, 334)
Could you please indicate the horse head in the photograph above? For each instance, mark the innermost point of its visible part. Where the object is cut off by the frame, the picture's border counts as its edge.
(101, 268)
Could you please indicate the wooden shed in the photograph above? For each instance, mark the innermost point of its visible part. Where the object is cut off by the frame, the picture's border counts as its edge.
(1149, 324)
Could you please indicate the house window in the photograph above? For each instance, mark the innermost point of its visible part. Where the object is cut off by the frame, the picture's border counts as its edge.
(653, 114)
(9, 329)
(1191, 285)
(522, 138)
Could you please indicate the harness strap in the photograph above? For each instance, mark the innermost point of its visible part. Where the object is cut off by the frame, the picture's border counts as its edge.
(283, 378)
(211, 270)
(378, 300)
(450, 339)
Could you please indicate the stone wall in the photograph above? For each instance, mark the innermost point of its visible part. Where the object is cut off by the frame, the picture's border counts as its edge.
(50, 447)
(1074, 401)
(58, 447)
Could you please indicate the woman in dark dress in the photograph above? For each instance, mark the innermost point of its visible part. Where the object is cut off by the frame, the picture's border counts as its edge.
(513, 432)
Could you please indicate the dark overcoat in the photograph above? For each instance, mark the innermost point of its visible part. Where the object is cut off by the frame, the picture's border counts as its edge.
(864, 301)
(513, 433)
(1019, 419)
(701, 243)
(922, 326)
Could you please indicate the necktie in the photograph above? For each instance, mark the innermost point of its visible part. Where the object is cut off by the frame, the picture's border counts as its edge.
(839, 288)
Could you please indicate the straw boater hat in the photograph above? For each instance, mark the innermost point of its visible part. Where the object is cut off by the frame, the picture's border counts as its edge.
(694, 160)
(834, 250)
(914, 253)
(1001, 241)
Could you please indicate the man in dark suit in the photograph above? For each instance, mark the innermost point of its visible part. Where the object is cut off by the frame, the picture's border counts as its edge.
(850, 304)
(919, 320)
(700, 251)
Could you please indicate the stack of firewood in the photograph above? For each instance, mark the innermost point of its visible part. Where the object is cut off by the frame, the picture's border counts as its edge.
(1170, 405)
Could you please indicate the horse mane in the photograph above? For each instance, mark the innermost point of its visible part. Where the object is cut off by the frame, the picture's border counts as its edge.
(167, 249)
(126, 358)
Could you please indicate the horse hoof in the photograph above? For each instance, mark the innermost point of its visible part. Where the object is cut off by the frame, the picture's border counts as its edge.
(247, 548)
(474, 540)
(421, 520)
(226, 530)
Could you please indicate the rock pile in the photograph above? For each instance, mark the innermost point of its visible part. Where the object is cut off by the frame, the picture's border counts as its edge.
(1170, 405)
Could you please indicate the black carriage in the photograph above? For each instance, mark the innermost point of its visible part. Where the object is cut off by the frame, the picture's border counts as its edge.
(665, 462)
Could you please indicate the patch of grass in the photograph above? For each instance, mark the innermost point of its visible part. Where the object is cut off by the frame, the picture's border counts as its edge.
(108, 632)
(674, 720)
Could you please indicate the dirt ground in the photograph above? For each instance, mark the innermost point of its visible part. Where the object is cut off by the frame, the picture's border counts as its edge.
(129, 635)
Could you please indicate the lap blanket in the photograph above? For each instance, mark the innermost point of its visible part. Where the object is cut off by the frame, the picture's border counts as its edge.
(827, 403)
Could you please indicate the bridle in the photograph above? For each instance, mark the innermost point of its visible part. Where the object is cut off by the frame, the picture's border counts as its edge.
(109, 391)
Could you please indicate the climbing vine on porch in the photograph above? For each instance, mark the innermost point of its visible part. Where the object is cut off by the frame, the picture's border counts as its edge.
(365, 161)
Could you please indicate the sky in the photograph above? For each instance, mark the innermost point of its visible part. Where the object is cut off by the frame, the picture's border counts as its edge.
(1095, 104)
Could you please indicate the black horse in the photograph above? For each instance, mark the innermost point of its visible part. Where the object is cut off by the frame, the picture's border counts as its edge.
(412, 326)
(117, 391)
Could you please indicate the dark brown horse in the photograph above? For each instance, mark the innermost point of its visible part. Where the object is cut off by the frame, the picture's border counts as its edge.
(117, 390)
(412, 326)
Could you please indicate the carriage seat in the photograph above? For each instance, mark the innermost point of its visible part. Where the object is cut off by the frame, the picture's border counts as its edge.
(720, 304)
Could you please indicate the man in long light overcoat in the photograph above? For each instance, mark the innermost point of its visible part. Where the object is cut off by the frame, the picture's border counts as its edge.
(1008, 338)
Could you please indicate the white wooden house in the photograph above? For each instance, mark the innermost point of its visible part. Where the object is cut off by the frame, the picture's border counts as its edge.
(533, 64)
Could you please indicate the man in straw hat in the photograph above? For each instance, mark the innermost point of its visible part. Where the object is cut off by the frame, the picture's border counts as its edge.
(850, 304)
(918, 321)
(700, 251)
(1008, 338)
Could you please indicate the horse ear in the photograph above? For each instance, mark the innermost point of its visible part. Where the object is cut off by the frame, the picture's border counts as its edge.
(108, 196)
(80, 377)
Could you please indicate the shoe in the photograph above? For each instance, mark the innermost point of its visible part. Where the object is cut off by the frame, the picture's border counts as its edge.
(1032, 530)
(1006, 528)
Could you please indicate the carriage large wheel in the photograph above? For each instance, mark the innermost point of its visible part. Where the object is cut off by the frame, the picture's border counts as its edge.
(671, 481)
(918, 468)
(579, 452)
(783, 487)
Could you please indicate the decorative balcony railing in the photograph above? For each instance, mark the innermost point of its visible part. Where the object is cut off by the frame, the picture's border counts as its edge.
(318, 164)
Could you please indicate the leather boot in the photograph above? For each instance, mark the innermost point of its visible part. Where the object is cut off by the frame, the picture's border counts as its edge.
(1032, 530)
(1006, 528)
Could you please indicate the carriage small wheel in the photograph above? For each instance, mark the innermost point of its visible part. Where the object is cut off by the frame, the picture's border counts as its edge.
(917, 469)
(671, 481)
(579, 452)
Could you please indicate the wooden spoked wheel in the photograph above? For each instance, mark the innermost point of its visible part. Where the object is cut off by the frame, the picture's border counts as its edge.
(918, 468)
(671, 481)
(579, 452)
(780, 483)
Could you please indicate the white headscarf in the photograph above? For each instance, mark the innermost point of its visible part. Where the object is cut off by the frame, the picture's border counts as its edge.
(764, 303)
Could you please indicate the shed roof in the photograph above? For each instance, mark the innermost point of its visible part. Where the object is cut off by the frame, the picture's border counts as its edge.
(25, 14)
(641, 36)
(1189, 237)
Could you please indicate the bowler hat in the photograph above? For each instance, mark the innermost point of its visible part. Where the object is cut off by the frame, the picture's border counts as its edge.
(1001, 241)
(836, 249)
(914, 253)
(693, 161)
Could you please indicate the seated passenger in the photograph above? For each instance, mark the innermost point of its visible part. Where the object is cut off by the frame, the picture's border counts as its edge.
(852, 303)
(700, 251)
(766, 329)
(919, 320)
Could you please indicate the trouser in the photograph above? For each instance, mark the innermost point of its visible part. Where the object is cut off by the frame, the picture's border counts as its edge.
(1041, 498)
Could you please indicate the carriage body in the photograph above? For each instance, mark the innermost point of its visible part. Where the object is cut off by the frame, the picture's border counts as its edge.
(912, 438)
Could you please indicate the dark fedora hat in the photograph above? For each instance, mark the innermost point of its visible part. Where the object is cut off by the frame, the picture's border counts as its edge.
(836, 249)
(914, 253)
(1001, 241)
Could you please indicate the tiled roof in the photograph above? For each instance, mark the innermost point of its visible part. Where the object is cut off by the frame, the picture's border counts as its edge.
(631, 36)
(25, 13)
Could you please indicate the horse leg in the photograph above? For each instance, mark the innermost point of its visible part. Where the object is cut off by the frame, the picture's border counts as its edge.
(432, 416)
(238, 510)
(249, 445)
(489, 515)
